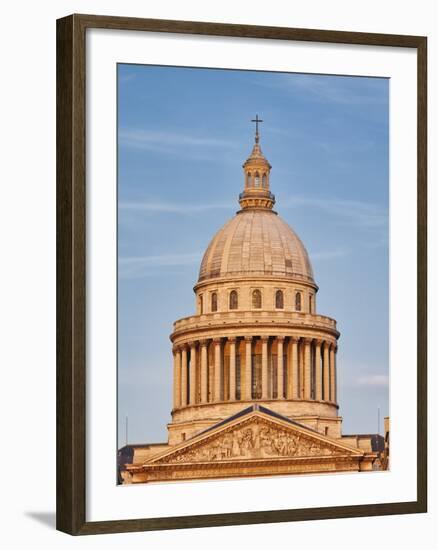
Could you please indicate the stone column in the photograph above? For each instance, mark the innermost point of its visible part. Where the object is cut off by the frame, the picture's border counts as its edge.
(295, 394)
(176, 378)
(192, 373)
(289, 381)
(301, 367)
(280, 380)
(232, 380)
(264, 340)
(184, 376)
(326, 372)
(217, 370)
(307, 369)
(204, 372)
(332, 373)
(247, 387)
(318, 371)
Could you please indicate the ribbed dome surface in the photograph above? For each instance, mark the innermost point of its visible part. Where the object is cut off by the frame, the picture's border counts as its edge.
(256, 243)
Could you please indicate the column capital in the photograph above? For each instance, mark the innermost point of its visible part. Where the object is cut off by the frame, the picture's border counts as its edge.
(307, 340)
(248, 339)
(193, 344)
(232, 339)
(203, 342)
(333, 346)
(319, 342)
(217, 341)
(279, 338)
(294, 339)
(264, 338)
(180, 347)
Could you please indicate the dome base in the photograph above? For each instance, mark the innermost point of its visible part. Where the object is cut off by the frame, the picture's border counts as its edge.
(191, 420)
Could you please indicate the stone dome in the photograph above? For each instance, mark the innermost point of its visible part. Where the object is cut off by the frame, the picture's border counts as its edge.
(256, 242)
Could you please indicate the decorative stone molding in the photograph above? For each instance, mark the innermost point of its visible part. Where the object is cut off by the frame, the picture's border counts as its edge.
(255, 438)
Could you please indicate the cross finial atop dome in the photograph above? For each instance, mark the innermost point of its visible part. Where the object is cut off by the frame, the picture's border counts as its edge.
(257, 120)
(256, 156)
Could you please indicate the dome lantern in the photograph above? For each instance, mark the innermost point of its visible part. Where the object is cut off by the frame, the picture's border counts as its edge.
(256, 169)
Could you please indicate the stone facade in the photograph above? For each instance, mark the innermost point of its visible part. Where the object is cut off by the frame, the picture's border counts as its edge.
(257, 344)
(256, 442)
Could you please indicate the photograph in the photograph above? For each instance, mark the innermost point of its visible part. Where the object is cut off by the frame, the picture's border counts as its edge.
(252, 274)
(221, 213)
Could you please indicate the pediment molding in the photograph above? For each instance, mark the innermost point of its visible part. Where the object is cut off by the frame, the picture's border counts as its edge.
(255, 437)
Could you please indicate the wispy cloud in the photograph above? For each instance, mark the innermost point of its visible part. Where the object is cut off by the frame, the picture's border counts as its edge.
(341, 148)
(363, 376)
(174, 208)
(361, 214)
(373, 380)
(344, 91)
(127, 77)
(329, 254)
(349, 212)
(141, 266)
(179, 143)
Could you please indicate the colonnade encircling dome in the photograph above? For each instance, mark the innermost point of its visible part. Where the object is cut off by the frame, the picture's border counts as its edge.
(243, 368)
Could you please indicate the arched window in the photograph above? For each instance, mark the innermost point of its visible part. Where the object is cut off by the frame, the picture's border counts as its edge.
(279, 299)
(214, 301)
(264, 181)
(248, 179)
(233, 299)
(257, 180)
(310, 303)
(298, 301)
(256, 299)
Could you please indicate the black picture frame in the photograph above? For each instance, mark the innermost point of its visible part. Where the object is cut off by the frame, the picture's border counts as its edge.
(71, 273)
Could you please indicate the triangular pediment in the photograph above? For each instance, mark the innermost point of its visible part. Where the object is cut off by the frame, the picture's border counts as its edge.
(255, 435)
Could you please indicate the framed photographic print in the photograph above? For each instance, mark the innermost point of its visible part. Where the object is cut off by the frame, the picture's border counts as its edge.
(241, 287)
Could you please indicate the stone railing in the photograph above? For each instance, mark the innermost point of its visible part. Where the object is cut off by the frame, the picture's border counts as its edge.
(252, 317)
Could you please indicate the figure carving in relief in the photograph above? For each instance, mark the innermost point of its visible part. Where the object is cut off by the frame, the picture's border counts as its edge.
(265, 442)
(256, 441)
(227, 446)
(246, 443)
(215, 452)
(235, 447)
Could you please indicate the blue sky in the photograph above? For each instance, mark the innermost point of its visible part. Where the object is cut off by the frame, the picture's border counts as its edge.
(183, 135)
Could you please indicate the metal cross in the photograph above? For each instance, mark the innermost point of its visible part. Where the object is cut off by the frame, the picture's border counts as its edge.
(257, 120)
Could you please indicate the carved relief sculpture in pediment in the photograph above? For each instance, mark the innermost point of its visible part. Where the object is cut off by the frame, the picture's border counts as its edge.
(252, 440)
